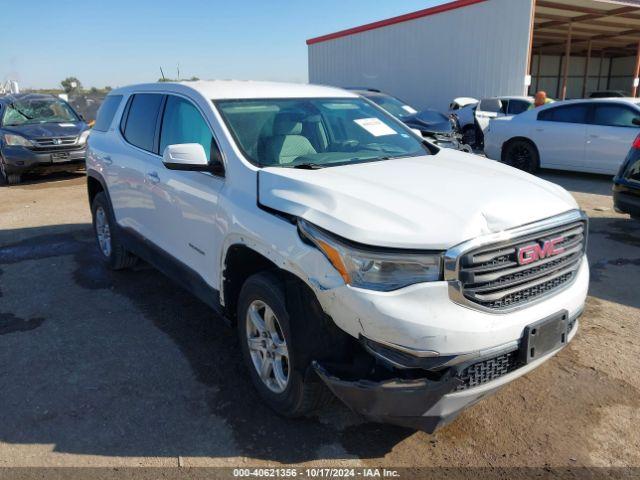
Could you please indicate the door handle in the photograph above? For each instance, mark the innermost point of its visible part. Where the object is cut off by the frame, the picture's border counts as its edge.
(152, 177)
(107, 160)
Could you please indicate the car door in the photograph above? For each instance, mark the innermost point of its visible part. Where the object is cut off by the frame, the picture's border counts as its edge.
(609, 136)
(488, 109)
(132, 160)
(559, 133)
(187, 202)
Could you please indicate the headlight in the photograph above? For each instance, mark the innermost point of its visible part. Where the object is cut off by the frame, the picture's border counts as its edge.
(82, 139)
(17, 140)
(374, 269)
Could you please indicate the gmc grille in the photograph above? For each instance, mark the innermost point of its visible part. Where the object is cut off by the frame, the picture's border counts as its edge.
(490, 276)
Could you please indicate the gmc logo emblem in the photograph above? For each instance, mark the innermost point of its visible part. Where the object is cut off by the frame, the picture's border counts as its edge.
(534, 252)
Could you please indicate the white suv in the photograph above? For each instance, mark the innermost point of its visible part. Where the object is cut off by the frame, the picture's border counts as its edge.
(349, 253)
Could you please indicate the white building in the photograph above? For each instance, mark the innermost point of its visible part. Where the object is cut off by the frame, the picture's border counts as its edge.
(482, 48)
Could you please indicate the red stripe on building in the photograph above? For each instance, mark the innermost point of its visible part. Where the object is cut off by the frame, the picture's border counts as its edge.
(392, 21)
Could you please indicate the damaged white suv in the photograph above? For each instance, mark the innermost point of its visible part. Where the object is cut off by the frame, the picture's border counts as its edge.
(351, 256)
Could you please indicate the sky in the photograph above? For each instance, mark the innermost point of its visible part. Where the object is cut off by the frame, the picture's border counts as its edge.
(119, 42)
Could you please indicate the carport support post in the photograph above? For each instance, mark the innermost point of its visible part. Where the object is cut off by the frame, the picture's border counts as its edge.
(567, 60)
(586, 70)
(634, 91)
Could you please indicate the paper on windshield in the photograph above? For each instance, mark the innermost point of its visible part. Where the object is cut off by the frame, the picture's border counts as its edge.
(407, 108)
(375, 127)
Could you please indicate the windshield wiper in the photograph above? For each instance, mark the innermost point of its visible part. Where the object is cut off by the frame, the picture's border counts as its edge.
(308, 166)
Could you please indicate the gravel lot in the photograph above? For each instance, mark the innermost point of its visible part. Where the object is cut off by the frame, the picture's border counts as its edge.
(125, 369)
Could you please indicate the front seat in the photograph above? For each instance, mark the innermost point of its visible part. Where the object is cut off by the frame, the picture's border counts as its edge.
(286, 144)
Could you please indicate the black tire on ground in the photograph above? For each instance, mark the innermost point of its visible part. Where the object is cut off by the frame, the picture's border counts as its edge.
(8, 178)
(303, 393)
(116, 257)
(521, 154)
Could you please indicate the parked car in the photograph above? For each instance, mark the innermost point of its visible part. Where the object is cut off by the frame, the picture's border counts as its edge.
(326, 232)
(608, 94)
(39, 133)
(581, 135)
(432, 124)
(477, 117)
(626, 184)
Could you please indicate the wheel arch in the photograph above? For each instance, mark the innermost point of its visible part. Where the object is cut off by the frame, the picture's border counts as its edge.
(95, 185)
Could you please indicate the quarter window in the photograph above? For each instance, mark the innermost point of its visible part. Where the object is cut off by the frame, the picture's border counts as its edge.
(614, 116)
(565, 114)
(106, 112)
(183, 123)
(141, 120)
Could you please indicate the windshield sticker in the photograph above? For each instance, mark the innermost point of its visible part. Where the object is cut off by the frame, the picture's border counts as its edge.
(66, 125)
(375, 127)
(407, 108)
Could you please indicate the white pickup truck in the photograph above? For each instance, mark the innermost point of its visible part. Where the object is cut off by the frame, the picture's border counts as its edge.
(352, 256)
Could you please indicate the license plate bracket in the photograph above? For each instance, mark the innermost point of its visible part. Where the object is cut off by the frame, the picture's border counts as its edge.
(60, 156)
(544, 336)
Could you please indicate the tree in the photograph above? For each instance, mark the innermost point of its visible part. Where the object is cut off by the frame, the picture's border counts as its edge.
(71, 85)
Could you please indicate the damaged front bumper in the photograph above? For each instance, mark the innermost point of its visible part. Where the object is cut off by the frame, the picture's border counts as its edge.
(425, 404)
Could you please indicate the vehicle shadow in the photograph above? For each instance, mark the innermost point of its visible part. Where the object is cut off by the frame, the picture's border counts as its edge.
(579, 182)
(614, 258)
(127, 364)
(44, 178)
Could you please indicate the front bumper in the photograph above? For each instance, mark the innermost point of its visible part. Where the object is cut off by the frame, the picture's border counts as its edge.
(421, 403)
(22, 159)
(626, 200)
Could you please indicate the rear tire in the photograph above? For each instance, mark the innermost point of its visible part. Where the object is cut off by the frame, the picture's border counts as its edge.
(521, 154)
(104, 226)
(266, 334)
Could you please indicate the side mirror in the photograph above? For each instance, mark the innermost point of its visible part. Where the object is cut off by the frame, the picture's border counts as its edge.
(636, 121)
(186, 156)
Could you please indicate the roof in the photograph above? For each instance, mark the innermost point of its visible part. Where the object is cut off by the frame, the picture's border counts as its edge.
(598, 26)
(13, 97)
(395, 20)
(242, 89)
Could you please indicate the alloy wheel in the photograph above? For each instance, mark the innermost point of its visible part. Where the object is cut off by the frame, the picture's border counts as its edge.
(520, 157)
(267, 346)
(103, 232)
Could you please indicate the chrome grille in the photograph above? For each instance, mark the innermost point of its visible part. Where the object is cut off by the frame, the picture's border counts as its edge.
(55, 141)
(491, 277)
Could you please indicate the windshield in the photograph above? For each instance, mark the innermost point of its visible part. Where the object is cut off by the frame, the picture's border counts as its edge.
(392, 105)
(316, 132)
(40, 110)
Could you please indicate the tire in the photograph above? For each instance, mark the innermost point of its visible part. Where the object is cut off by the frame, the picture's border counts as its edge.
(105, 230)
(8, 178)
(521, 154)
(469, 136)
(284, 385)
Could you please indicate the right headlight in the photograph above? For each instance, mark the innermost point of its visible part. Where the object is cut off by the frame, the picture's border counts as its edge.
(374, 269)
(17, 140)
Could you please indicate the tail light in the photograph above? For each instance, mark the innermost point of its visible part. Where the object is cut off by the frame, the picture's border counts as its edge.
(636, 143)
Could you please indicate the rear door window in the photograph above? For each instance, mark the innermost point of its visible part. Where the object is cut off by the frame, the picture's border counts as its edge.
(611, 115)
(517, 106)
(566, 114)
(106, 112)
(140, 126)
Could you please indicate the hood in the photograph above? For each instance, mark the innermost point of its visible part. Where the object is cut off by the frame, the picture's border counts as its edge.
(44, 130)
(430, 202)
(443, 127)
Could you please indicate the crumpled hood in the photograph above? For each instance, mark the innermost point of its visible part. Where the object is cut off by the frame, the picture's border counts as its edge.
(430, 202)
(45, 130)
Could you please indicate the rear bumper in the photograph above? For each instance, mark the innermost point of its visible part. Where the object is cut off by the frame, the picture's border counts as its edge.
(626, 201)
(21, 159)
(421, 403)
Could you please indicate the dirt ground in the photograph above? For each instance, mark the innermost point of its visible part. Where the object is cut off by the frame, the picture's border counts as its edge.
(125, 369)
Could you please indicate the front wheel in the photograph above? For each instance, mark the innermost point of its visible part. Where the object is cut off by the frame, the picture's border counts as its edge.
(8, 178)
(265, 335)
(522, 155)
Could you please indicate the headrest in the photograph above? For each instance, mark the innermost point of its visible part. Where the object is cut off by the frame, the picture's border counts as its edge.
(287, 124)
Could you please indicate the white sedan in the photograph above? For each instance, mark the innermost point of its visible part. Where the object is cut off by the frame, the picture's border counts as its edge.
(583, 135)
